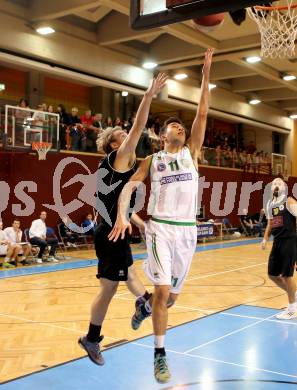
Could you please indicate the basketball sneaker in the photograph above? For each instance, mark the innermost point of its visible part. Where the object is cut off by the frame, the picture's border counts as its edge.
(92, 349)
(287, 315)
(162, 373)
(140, 313)
(52, 259)
(38, 261)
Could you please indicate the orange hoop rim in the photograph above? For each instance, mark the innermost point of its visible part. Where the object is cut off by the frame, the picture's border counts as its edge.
(39, 145)
(274, 8)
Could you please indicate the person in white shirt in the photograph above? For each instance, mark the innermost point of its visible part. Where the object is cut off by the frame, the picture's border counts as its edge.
(6, 249)
(37, 234)
(14, 236)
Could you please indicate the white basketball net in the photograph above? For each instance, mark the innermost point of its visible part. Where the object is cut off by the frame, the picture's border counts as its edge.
(41, 148)
(278, 29)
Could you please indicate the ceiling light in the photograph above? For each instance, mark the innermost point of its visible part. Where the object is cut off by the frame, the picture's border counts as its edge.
(212, 86)
(293, 116)
(254, 101)
(45, 30)
(289, 77)
(180, 76)
(2, 87)
(253, 59)
(149, 65)
(125, 93)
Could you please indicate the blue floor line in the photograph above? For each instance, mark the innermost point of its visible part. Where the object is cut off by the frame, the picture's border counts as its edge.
(212, 364)
(41, 269)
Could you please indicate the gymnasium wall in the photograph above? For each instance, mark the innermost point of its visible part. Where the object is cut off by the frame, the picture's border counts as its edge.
(58, 91)
(15, 84)
(17, 167)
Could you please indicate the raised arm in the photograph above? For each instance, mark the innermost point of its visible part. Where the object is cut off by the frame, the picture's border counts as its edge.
(122, 222)
(126, 152)
(199, 124)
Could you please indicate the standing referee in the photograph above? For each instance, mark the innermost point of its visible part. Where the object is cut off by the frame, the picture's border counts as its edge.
(281, 215)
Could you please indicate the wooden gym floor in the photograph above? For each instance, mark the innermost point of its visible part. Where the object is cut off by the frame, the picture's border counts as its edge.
(42, 315)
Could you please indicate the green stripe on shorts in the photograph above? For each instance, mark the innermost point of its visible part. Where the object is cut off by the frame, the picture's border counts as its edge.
(176, 223)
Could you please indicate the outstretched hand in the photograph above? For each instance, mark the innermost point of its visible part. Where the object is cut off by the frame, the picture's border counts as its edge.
(158, 83)
(119, 229)
(207, 61)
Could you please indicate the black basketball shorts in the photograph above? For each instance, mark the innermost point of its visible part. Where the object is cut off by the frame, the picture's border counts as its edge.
(114, 258)
(283, 257)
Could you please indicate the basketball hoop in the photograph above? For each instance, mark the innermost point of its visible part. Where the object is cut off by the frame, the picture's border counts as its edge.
(41, 148)
(278, 29)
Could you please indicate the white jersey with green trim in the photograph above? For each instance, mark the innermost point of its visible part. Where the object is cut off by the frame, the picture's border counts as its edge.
(174, 186)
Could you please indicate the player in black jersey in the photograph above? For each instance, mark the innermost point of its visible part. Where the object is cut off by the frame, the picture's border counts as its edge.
(115, 259)
(281, 215)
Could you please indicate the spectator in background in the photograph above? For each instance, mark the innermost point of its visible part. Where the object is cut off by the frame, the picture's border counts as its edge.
(89, 225)
(98, 122)
(109, 122)
(64, 123)
(87, 121)
(20, 119)
(260, 222)
(69, 237)
(154, 138)
(247, 222)
(117, 122)
(37, 234)
(157, 125)
(14, 235)
(144, 146)
(75, 129)
(7, 249)
(251, 148)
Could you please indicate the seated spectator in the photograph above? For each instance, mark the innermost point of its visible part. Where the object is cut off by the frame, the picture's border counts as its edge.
(260, 222)
(37, 234)
(7, 249)
(14, 235)
(247, 222)
(69, 237)
(89, 225)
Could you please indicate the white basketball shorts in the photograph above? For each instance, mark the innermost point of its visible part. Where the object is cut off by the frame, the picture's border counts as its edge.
(170, 251)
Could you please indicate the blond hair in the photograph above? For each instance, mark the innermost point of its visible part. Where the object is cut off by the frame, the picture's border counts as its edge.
(106, 138)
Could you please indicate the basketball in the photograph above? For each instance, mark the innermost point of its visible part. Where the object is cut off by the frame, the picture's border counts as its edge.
(209, 23)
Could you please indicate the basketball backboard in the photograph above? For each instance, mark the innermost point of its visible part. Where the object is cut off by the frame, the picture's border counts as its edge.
(145, 14)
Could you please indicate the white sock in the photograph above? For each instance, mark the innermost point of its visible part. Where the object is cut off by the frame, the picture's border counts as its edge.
(159, 341)
(148, 306)
(292, 307)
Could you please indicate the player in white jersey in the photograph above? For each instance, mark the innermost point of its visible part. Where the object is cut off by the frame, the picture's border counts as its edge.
(171, 233)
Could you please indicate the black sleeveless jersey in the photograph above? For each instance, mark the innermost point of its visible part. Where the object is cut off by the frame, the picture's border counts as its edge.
(283, 223)
(110, 184)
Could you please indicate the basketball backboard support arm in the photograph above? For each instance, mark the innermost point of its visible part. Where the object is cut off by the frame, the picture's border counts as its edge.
(184, 10)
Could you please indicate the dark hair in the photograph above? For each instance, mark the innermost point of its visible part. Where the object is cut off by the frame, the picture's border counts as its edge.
(25, 101)
(174, 119)
(16, 220)
(63, 109)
